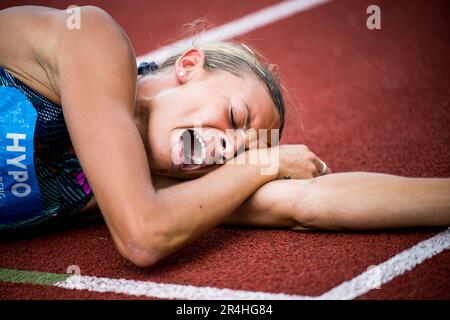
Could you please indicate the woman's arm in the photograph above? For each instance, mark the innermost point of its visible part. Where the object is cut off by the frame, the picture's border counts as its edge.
(348, 201)
(364, 201)
(97, 87)
(270, 206)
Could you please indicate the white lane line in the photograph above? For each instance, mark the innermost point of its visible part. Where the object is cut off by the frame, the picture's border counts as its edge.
(361, 284)
(236, 27)
(390, 269)
(167, 291)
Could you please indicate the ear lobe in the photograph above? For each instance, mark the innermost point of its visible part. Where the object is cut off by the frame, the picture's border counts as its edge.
(190, 62)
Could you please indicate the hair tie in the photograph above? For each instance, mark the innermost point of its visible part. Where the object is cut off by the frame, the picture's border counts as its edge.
(147, 67)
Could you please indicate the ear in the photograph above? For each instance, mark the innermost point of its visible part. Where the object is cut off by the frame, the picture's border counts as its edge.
(189, 65)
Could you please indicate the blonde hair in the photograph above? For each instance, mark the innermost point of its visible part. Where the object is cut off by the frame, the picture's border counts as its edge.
(238, 58)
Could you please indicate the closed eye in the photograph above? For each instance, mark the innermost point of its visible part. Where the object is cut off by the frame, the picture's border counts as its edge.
(232, 118)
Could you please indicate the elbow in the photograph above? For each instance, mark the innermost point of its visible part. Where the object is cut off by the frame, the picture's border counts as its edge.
(143, 250)
(148, 239)
(143, 257)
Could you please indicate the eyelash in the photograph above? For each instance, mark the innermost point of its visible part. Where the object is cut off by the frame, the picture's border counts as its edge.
(232, 120)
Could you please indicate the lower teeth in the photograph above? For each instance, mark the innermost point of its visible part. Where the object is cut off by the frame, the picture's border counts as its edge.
(196, 160)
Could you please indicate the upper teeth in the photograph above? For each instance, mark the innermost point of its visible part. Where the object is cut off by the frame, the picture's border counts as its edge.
(203, 144)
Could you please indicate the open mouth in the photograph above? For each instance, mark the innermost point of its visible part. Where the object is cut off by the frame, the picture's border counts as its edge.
(194, 149)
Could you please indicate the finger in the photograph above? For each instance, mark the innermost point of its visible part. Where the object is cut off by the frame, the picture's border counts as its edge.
(322, 167)
(325, 169)
(317, 163)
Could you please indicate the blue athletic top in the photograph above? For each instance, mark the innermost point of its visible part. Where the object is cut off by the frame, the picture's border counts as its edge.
(60, 185)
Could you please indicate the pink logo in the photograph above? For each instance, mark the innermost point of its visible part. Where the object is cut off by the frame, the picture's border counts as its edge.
(82, 181)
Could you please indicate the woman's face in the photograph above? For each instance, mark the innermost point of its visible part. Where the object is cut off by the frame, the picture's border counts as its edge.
(189, 123)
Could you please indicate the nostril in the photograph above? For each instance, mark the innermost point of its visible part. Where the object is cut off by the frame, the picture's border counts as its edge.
(223, 143)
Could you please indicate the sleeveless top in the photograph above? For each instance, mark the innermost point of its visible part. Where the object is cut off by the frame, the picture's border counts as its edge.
(63, 188)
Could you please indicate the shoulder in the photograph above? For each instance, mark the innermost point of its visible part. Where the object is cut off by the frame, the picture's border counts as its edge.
(53, 31)
(84, 39)
(37, 22)
(87, 19)
(92, 30)
(98, 54)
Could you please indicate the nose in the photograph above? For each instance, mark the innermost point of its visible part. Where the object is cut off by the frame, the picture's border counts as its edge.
(222, 149)
(222, 146)
(223, 143)
(230, 143)
(219, 147)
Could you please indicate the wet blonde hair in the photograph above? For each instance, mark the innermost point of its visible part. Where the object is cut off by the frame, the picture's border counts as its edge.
(238, 58)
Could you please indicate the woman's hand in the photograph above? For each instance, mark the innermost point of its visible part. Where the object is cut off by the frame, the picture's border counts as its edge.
(296, 161)
(288, 161)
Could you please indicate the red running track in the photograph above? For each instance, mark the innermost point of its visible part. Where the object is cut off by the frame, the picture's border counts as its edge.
(362, 100)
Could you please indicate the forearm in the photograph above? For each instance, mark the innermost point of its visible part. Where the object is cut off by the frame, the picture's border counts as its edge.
(271, 206)
(188, 210)
(362, 201)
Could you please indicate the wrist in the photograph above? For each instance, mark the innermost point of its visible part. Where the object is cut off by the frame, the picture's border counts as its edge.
(262, 160)
(267, 161)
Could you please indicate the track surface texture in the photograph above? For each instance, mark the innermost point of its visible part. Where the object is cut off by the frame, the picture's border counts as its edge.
(363, 100)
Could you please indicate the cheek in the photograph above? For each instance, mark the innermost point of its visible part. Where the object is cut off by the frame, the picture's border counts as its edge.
(157, 154)
(177, 107)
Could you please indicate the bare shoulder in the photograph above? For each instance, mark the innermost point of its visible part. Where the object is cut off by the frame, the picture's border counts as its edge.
(90, 22)
(96, 39)
(100, 53)
(36, 41)
(36, 21)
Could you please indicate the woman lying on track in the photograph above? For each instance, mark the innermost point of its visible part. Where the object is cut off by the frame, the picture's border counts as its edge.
(78, 119)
